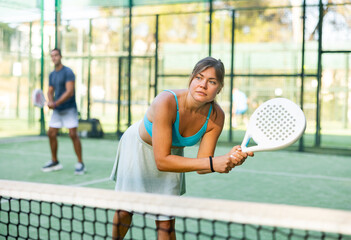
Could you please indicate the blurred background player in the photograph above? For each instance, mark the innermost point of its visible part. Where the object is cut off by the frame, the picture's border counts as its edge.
(61, 99)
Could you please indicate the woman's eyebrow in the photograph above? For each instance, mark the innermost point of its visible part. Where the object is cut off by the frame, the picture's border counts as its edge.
(208, 78)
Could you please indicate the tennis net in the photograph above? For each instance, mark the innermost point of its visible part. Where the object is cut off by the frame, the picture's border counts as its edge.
(45, 211)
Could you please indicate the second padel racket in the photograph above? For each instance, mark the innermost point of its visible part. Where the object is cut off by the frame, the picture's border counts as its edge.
(38, 98)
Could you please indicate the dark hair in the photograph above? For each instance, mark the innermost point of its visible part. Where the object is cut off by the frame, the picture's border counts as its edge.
(207, 62)
(58, 50)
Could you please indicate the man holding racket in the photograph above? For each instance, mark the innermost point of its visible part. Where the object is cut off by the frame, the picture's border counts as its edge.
(61, 99)
(150, 153)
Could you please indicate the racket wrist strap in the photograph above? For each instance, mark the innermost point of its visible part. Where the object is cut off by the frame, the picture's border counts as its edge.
(211, 164)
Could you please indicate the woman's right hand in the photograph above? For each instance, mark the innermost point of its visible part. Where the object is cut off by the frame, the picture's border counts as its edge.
(235, 157)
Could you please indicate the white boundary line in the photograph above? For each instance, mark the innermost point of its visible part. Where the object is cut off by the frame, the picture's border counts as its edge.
(5, 151)
(284, 174)
(91, 182)
(297, 175)
(22, 139)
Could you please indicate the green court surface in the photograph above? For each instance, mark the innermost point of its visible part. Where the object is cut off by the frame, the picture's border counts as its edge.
(281, 177)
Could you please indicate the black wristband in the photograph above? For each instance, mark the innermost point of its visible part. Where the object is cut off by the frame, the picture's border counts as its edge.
(211, 164)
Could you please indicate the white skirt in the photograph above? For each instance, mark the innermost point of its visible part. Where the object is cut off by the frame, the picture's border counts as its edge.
(135, 167)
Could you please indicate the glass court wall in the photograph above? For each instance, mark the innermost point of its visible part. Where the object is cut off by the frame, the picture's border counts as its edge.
(125, 52)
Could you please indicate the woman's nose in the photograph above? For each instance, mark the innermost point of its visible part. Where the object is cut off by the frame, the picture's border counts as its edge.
(203, 83)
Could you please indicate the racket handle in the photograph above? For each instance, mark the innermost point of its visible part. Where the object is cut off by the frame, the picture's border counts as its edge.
(262, 148)
(245, 142)
(251, 149)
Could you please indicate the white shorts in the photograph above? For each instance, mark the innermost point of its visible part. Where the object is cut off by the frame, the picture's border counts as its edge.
(65, 118)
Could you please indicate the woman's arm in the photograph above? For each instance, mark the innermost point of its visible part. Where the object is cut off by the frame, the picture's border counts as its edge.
(209, 141)
(165, 113)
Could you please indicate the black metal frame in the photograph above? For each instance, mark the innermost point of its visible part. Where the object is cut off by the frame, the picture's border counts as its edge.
(232, 74)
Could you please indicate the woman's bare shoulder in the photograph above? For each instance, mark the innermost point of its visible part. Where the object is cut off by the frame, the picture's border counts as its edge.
(167, 99)
(218, 115)
(164, 103)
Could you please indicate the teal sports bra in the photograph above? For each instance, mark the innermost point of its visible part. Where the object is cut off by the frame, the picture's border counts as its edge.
(177, 139)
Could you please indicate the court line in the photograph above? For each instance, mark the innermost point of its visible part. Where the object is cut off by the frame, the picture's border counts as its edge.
(23, 139)
(91, 182)
(60, 155)
(285, 174)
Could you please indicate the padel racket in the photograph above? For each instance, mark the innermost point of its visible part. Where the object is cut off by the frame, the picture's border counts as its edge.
(275, 124)
(38, 98)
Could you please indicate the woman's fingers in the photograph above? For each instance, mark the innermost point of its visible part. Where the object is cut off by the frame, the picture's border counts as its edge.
(251, 154)
(238, 158)
(234, 158)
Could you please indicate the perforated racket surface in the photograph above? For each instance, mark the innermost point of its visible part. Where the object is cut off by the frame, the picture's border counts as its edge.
(38, 98)
(275, 124)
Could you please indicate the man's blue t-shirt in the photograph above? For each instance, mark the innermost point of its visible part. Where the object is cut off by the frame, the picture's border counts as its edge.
(58, 81)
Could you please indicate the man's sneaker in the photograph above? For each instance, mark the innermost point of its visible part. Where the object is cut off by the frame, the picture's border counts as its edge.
(79, 168)
(51, 166)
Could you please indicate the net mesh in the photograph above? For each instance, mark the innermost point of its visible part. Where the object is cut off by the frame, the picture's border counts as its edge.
(42, 211)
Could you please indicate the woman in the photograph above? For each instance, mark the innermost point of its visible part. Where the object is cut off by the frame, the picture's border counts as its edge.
(150, 153)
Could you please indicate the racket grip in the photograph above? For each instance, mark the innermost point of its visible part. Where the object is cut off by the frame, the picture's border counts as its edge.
(243, 148)
(251, 149)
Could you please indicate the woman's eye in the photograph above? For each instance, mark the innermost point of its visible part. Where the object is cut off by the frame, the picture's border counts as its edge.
(213, 82)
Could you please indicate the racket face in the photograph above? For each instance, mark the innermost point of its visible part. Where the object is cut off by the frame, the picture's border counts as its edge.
(38, 98)
(276, 124)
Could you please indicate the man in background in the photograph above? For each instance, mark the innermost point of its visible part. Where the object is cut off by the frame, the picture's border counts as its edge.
(61, 99)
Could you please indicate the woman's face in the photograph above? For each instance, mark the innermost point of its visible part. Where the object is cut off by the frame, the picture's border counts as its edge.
(204, 86)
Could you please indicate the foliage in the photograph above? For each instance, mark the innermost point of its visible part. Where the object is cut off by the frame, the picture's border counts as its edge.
(6, 33)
